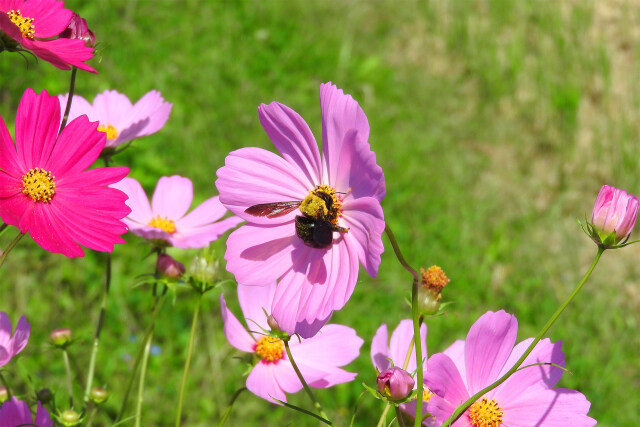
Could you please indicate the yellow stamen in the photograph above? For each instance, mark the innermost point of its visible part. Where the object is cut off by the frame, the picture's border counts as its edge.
(269, 348)
(426, 394)
(322, 203)
(110, 130)
(39, 185)
(485, 413)
(163, 223)
(434, 278)
(24, 23)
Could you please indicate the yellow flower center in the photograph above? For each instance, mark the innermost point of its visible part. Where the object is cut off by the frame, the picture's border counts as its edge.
(322, 203)
(39, 185)
(163, 223)
(485, 413)
(434, 278)
(426, 394)
(269, 348)
(112, 132)
(23, 23)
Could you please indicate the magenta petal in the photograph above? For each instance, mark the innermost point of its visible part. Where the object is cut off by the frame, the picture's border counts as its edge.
(78, 146)
(20, 336)
(12, 209)
(380, 349)
(138, 201)
(332, 346)
(172, 197)
(401, 339)
(16, 413)
(6, 329)
(49, 16)
(236, 334)
(550, 408)
(365, 220)
(49, 232)
(255, 301)
(9, 162)
(262, 382)
(37, 123)
(293, 139)
(42, 417)
(62, 53)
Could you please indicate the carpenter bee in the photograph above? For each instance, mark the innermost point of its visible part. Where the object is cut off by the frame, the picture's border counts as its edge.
(317, 223)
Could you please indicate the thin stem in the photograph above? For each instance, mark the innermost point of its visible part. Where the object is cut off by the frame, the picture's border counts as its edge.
(143, 372)
(92, 414)
(408, 356)
(230, 405)
(400, 417)
(187, 362)
(316, 404)
(67, 366)
(417, 320)
(72, 87)
(96, 339)
(462, 408)
(396, 250)
(383, 417)
(11, 246)
(3, 228)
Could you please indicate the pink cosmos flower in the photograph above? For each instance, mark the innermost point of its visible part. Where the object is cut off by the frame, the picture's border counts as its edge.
(12, 345)
(319, 358)
(15, 412)
(614, 211)
(524, 399)
(164, 221)
(318, 271)
(35, 24)
(119, 119)
(44, 187)
(395, 383)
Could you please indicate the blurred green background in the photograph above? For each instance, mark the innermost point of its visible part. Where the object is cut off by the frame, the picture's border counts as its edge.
(496, 123)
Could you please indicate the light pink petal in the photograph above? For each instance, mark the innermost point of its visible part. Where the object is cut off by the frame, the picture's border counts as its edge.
(488, 345)
(332, 346)
(5, 356)
(255, 301)
(79, 107)
(262, 382)
(293, 139)
(207, 212)
(6, 330)
(50, 18)
(236, 334)
(37, 123)
(138, 201)
(113, 108)
(333, 377)
(253, 176)
(150, 114)
(456, 353)
(20, 336)
(8, 156)
(365, 221)
(172, 197)
(380, 349)
(78, 146)
(550, 408)
(286, 377)
(258, 255)
(42, 417)
(401, 340)
(444, 380)
(200, 237)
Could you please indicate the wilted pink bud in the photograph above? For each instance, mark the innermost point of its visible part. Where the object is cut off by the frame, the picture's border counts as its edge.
(78, 29)
(395, 383)
(614, 215)
(169, 267)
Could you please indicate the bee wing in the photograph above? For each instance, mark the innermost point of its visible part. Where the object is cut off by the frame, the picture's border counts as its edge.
(273, 210)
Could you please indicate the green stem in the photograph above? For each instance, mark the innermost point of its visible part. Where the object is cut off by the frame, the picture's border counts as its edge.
(383, 417)
(187, 362)
(67, 366)
(6, 385)
(230, 405)
(92, 414)
(72, 86)
(462, 408)
(3, 228)
(408, 356)
(96, 339)
(396, 250)
(316, 404)
(143, 372)
(11, 246)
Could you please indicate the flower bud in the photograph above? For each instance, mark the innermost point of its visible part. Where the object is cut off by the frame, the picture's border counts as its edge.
(204, 269)
(4, 394)
(60, 337)
(69, 418)
(395, 383)
(44, 395)
(433, 280)
(613, 217)
(78, 29)
(169, 267)
(98, 395)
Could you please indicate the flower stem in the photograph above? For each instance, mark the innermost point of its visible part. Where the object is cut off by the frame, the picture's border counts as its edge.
(396, 250)
(143, 372)
(6, 385)
(316, 404)
(72, 86)
(3, 228)
(383, 417)
(187, 362)
(462, 408)
(230, 406)
(67, 366)
(96, 339)
(11, 246)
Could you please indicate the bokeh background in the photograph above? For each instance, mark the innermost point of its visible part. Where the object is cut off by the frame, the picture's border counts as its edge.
(496, 122)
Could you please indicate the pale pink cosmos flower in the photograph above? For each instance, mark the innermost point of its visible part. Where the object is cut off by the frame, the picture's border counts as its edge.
(525, 399)
(614, 211)
(10, 345)
(314, 281)
(120, 120)
(165, 221)
(15, 412)
(319, 358)
(45, 189)
(35, 24)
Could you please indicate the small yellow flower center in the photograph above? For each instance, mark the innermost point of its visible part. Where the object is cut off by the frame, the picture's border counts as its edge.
(112, 132)
(39, 185)
(269, 348)
(322, 203)
(485, 413)
(163, 223)
(23, 23)
(426, 395)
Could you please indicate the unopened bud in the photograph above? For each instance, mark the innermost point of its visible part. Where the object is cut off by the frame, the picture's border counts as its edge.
(395, 383)
(4, 394)
(169, 267)
(60, 337)
(78, 29)
(204, 269)
(98, 395)
(433, 280)
(613, 217)
(69, 418)
(44, 395)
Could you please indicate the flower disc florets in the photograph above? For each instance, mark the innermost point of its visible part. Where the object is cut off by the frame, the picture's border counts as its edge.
(24, 23)
(39, 184)
(486, 413)
(270, 349)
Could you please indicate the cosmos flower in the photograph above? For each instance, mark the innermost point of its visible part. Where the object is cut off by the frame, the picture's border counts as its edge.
(12, 345)
(119, 119)
(525, 399)
(164, 221)
(44, 187)
(614, 213)
(313, 250)
(15, 412)
(35, 26)
(319, 358)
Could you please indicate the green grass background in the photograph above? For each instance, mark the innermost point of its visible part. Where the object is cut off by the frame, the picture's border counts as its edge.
(496, 123)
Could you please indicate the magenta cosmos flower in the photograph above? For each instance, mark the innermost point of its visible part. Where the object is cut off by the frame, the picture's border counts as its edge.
(44, 187)
(15, 412)
(10, 345)
(614, 212)
(314, 250)
(120, 120)
(35, 24)
(165, 222)
(524, 399)
(319, 358)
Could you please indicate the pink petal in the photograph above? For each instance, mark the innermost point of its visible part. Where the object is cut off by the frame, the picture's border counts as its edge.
(50, 18)
(236, 334)
(42, 417)
(365, 221)
(550, 408)
(48, 231)
(172, 197)
(78, 146)
(254, 176)
(456, 353)
(445, 381)
(36, 128)
(207, 212)
(20, 336)
(255, 301)
(113, 108)
(61, 53)
(286, 376)
(262, 382)
(13, 208)
(333, 377)
(15, 413)
(200, 237)
(138, 201)
(79, 107)
(400, 341)
(6, 330)
(333, 346)
(380, 349)
(8, 157)
(150, 114)
(293, 139)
